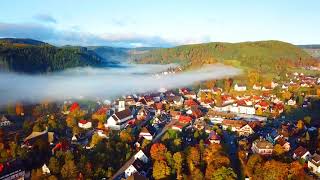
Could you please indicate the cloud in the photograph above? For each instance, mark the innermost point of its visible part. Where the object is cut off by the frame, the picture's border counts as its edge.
(45, 18)
(50, 34)
(27, 30)
(101, 83)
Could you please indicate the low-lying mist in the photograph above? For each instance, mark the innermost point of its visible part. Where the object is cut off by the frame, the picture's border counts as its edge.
(102, 83)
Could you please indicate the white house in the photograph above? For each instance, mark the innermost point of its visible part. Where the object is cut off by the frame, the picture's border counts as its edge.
(291, 102)
(262, 147)
(246, 130)
(45, 169)
(314, 163)
(301, 153)
(145, 133)
(139, 161)
(119, 120)
(256, 87)
(247, 110)
(239, 87)
(84, 124)
(4, 121)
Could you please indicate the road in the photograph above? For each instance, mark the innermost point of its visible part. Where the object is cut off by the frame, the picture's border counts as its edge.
(164, 129)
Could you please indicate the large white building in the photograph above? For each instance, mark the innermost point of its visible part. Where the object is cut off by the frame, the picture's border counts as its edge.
(119, 120)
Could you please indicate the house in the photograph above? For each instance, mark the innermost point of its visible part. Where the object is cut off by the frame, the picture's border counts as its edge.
(129, 101)
(121, 105)
(301, 153)
(283, 143)
(147, 133)
(246, 130)
(240, 87)
(190, 95)
(262, 147)
(247, 110)
(4, 121)
(45, 169)
(178, 126)
(190, 102)
(175, 100)
(291, 102)
(314, 163)
(185, 119)
(142, 114)
(137, 164)
(256, 87)
(136, 176)
(214, 138)
(84, 124)
(119, 120)
(234, 125)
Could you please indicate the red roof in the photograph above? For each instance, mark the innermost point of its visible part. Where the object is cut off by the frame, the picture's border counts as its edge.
(102, 111)
(74, 106)
(185, 119)
(190, 102)
(263, 103)
(82, 121)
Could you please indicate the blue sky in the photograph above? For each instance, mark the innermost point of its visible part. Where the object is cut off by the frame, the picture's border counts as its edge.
(160, 23)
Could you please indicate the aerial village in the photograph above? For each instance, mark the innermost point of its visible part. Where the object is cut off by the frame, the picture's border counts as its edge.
(232, 132)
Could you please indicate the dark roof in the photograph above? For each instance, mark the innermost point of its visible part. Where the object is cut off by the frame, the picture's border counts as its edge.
(136, 176)
(316, 157)
(300, 151)
(123, 114)
(139, 165)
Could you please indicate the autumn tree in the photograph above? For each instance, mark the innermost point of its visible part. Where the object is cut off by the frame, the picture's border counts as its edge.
(160, 169)
(254, 162)
(54, 165)
(178, 163)
(278, 150)
(223, 173)
(296, 171)
(69, 170)
(158, 151)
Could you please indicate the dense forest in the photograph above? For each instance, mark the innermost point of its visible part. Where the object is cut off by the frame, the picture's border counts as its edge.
(264, 56)
(31, 56)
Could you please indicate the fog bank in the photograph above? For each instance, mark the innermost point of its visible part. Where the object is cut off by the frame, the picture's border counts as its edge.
(104, 83)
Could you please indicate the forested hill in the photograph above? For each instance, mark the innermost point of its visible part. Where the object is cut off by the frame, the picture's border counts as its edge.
(264, 56)
(31, 56)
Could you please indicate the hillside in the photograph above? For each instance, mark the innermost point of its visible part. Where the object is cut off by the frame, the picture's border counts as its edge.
(31, 56)
(312, 49)
(264, 56)
(118, 54)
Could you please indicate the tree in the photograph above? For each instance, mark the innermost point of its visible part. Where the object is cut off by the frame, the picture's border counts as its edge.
(274, 170)
(254, 162)
(160, 169)
(178, 163)
(126, 136)
(286, 95)
(224, 173)
(95, 140)
(158, 151)
(278, 150)
(36, 174)
(296, 171)
(300, 125)
(307, 119)
(54, 165)
(69, 170)
(193, 156)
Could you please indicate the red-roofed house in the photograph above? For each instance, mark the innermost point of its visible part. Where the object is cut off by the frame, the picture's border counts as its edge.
(185, 119)
(84, 124)
(74, 106)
